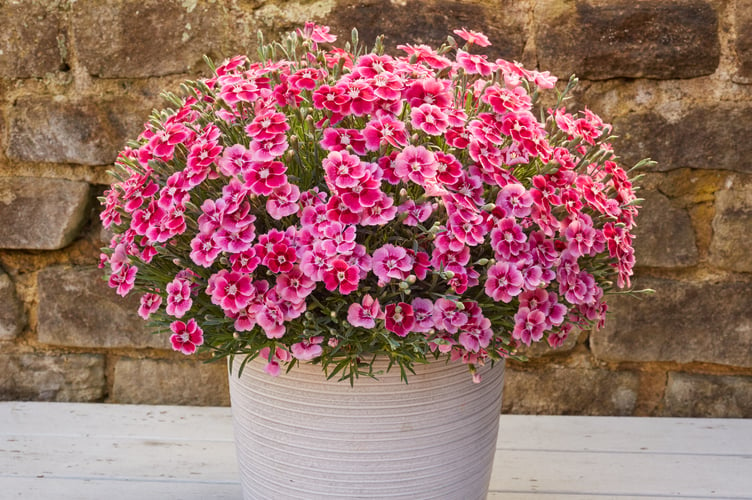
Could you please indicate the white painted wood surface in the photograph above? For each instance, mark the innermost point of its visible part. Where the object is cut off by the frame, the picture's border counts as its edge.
(113, 452)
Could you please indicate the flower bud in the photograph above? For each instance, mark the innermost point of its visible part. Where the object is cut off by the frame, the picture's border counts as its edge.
(482, 262)
(333, 314)
(460, 306)
(488, 207)
(411, 279)
(404, 285)
(449, 274)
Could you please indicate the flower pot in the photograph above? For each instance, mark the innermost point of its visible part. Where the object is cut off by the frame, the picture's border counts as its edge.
(301, 436)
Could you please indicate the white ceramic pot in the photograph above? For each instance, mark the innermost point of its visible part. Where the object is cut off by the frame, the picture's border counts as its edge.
(300, 436)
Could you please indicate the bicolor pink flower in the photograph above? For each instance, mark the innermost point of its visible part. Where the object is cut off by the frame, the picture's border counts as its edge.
(515, 200)
(415, 163)
(380, 213)
(178, 297)
(423, 312)
(580, 237)
(186, 336)
(473, 37)
(447, 316)
(234, 160)
(504, 282)
(343, 170)
(365, 314)
(399, 318)
(294, 285)
(474, 64)
(339, 139)
(430, 119)
(307, 349)
(384, 130)
(390, 261)
(230, 290)
(341, 274)
(364, 194)
(416, 214)
(123, 280)
(508, 239)
(270, 149)
(244, 262)
(149, 303)
(262, 178)
(204, 249)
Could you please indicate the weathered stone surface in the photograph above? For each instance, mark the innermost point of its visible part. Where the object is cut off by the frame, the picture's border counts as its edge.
(41, 214)
(682, 322)
(664, 236)
(184, 382)
(77, 308)
(431, 21)
(553, 390)
(707, 137)
(141, 38)
(52, 377)
(89, 131)
(708, 396)
(729, 248)
(598, 39)
(33, 39)
(743, 43)
(11, 312)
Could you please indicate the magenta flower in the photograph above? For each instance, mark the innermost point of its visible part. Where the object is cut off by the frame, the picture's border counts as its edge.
(343, 170)
(341, 274)
(231, 291)
(204, 249)
(234, 160)
(430, 119)
(416, 164)
(423, 310)
(508, 239)
(385, 130)
(473, 37)
(380, 213)
(244, 262)
(391, 261)
(263, 177)
(178, 297)
(529, 326)
(186, 336)
(399, 318)
(515, 200)
(149, 303)
(504, 282)
(447, 316)
(364, 314)
(308, 349)
(339, 139)
(294, 286)
(123, 280)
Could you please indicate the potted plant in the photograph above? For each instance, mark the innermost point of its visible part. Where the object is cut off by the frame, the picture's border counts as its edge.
(362, 234)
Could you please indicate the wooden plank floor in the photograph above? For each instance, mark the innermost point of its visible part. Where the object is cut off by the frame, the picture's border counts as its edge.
(92, 451)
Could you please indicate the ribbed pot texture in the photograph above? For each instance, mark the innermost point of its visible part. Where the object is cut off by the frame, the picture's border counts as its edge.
(300, 436)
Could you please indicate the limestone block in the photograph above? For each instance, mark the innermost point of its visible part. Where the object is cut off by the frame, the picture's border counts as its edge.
(89, 132)
(141, 38)
(33, 39)
(11, 312)
(598, 39)
(41, 214)
(172, 382)
(682, 322)
(707, 137)
(708, 396)
(431, 21)
(52, 377)
(555, 390)
(78, 309)
(743, 42)
(664, 236)
(732, 223)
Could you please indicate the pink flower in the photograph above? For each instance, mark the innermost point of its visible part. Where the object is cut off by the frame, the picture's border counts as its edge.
(385, 130)
(447, 316)
(365, 314)
(474, 64)
(504, 282)
(234, 160)
(415, 163)
(473, 37)
(204, 249)
(308, 349)
(399, 318)
(515, 200)
(283, 201)
(338, 139)
(423, 310)
(244, 262)
(186, 336)
(123, 280)
(178, 297)
(508, 239)
(430, 119)
(294, 286)
(230, 290)
(529, 326)
(380, 213)
(343, 170)
(391, 261)
(263, 177)
(150, 302)
(341, 274)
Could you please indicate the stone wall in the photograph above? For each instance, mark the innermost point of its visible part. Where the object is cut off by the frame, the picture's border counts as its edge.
(78, 77)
